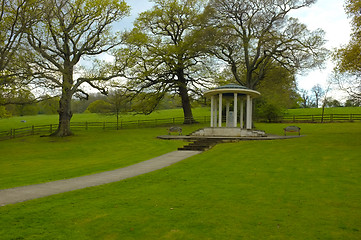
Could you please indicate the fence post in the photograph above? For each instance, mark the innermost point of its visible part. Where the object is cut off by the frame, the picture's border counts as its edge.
(51, 128)
(103, 125)
(86, 125)
(331, 117)
(351, 118)
(32, 130)
(13, 134)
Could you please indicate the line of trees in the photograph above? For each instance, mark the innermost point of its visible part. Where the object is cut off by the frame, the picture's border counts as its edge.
(176, 48)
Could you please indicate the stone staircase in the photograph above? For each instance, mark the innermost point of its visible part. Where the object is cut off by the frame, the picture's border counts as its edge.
(200, 145)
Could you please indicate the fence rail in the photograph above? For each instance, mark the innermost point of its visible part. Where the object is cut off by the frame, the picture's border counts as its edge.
(319, 118)
(50, 128)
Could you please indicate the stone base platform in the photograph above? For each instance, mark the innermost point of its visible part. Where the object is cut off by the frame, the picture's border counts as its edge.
(225, 138)
(228, 132)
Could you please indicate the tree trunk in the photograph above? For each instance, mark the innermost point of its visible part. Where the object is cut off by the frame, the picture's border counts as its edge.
(183, 92)
(64, 110)
(186, 105)
(65, 115)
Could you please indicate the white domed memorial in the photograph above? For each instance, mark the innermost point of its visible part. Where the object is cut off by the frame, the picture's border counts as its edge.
(237, 101)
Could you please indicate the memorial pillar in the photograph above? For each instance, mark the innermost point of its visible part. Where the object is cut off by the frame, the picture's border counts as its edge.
(220, 111)
(235, 110)
(227, 113)
(212, 111)
(241, 115)
(249, 112)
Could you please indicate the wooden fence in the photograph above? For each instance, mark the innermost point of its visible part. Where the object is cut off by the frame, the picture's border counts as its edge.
(319, 118)
(50, 128)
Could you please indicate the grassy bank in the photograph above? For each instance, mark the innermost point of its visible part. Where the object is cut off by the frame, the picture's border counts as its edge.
(304, 188)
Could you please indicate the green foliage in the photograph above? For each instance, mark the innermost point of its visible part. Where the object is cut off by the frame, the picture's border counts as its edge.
(348, 58)
(60, 34)
(166, 52)
(48, 106)
(304, 188)
(10, 35)
(268, 111)
(353, 102)
(278, 93)
(99, 106)
(4, 113)
(253, 35)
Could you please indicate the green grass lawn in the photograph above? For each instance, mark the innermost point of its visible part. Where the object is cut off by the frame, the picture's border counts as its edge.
(318, 111)
(304, 188)
(31, 160)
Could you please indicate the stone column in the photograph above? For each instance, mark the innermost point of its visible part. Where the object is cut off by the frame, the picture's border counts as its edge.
(212, 111)
(220, 111)
(227, 113)
(235, 110)
(215, 116)
(249, 112)
(241, 115)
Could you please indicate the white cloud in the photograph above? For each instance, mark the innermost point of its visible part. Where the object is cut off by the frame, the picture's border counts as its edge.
(330, 16)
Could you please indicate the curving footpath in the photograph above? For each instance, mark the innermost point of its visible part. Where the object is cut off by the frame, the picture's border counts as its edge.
(25, 193)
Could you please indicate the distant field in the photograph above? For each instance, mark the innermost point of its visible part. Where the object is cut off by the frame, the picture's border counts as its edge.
(318, 111)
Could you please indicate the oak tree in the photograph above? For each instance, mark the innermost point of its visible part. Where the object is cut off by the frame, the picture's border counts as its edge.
(167, 53)
(11, 25)
(62, 34)
(255, 35)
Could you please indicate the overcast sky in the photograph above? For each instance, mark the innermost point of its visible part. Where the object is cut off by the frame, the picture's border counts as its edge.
(328, 15)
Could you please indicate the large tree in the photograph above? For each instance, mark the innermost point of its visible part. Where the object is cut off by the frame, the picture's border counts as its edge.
(348, 58)
(11, 26)
(167, 53)
(61, 34)
(255, 35)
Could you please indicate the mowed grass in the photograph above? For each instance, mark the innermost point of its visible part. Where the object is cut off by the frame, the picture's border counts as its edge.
(303, 188)
(35, 159)
(318, 111)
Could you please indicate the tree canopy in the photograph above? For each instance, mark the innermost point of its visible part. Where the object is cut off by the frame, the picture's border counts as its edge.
(63, 33)
(348, 57)
(11, 25)
(253, 35)
(167, 53)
